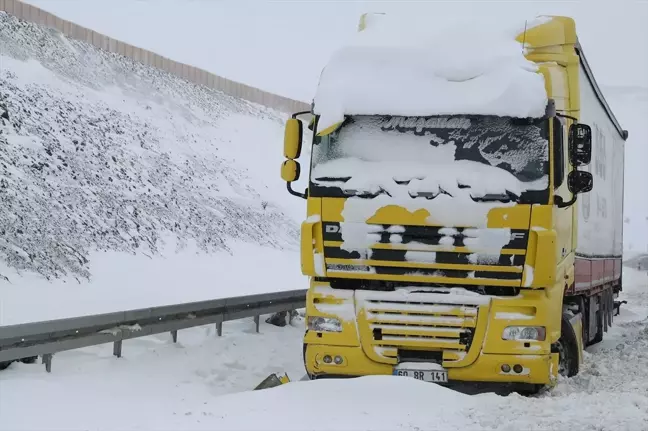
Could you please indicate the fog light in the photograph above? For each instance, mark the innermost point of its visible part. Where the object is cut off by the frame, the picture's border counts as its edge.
(517, 368)
(337, 360)
(525, 333)
(327, 359)
(506, 368)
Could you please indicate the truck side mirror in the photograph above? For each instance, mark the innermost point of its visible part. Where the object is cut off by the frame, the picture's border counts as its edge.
(580, 182)
(293, 139)
(290, 171)
(580, 144)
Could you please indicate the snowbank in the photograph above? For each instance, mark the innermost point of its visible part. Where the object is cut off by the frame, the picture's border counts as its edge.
(103, 160)
(412, 67)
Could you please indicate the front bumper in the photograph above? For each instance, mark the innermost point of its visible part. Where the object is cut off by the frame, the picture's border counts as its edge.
(537, 369)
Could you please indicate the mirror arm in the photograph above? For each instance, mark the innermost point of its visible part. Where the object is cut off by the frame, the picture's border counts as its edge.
(296, 114)
(560, 203)
(574, 119)
(295, 193)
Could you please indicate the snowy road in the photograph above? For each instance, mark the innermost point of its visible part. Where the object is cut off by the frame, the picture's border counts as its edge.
(203, 383)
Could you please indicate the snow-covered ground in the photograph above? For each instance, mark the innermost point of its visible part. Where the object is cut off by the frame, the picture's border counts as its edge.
(203, 383)
(123, 187)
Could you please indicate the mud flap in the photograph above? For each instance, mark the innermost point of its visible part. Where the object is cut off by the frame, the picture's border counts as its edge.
(577, 323)
(272, 381)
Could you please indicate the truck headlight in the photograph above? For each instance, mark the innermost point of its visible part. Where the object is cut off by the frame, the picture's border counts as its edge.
(324, 324)
(525, 333)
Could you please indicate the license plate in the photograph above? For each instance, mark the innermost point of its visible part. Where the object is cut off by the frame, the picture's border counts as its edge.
(434, 376)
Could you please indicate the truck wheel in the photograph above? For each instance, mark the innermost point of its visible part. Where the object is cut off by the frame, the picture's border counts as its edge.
(567, 348)
(528, 389)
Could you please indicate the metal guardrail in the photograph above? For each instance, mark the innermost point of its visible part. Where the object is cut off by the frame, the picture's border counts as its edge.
(46, 338)
(639, 262)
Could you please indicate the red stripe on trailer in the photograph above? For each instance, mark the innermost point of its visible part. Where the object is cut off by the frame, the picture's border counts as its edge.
(618, 268)
(583, 273)
(591, 273)
(609, 269)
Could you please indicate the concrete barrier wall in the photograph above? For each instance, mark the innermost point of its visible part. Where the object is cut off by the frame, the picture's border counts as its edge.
(29, 13)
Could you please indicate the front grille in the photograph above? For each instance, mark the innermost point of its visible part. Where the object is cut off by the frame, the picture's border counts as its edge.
(424, 252)
(400, 327)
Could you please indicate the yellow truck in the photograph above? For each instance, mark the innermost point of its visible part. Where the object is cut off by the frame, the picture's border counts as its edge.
(443, 276)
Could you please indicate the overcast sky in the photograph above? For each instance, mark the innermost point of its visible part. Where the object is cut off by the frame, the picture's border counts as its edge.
(282, 46)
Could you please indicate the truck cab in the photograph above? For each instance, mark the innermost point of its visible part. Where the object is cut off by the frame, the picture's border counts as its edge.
(444, 247)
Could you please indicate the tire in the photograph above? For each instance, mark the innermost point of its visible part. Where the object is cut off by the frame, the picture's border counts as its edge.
(528, 389)
(5, 365)
(567, 348)
(29, 360)
(304, 356)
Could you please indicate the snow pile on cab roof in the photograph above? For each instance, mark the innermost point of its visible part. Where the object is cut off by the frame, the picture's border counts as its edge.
(433, 67)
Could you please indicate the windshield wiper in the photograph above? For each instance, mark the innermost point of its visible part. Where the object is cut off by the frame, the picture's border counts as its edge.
(429, 195)
(333, 179)
(365, 194)
(501, 197)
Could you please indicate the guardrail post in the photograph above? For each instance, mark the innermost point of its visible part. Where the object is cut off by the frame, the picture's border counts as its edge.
(257, 320)
(174, 336)
(117, 348)
(219, 328)
(47, 360)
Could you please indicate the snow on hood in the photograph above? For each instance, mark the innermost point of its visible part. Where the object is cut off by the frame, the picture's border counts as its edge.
(460, 178)
(379, 168)
(397, 67)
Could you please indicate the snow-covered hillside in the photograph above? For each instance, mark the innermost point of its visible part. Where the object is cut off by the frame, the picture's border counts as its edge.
(103, 158)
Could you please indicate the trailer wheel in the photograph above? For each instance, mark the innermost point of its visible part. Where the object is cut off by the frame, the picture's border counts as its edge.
(4, 365)
(567, 348)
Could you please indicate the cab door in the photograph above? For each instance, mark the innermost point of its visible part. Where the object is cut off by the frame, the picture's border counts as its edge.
(563, 217)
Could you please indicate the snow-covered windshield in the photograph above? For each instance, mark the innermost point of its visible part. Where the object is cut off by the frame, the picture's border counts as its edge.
(489, 157)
